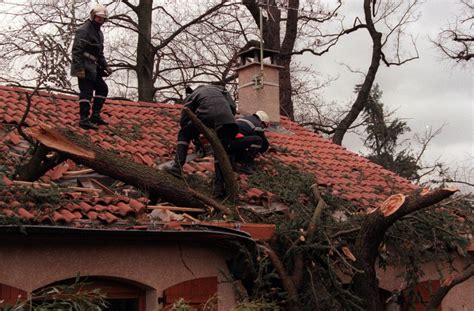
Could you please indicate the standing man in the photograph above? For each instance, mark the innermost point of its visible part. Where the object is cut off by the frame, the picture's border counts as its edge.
(89, 66)
(214, 106)
(250, 141)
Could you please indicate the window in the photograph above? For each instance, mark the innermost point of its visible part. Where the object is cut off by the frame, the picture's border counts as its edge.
(196, 293)
(421, 297)
(11, 295)
(121, 295)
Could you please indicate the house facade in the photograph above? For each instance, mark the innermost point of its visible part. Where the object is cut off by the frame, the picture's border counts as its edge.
(142, 269)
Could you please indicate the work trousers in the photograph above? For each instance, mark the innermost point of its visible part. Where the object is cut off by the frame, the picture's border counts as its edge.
(245, 149)
(226, 133)
(87, 89)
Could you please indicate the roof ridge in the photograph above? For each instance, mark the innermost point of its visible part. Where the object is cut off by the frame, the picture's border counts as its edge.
(69, 96)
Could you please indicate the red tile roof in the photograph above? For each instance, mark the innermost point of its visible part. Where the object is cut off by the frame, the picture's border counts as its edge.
(146, 133)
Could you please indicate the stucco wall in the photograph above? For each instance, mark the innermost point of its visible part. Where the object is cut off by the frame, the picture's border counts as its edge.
(156, 265)
(266, 98)
(459, 298)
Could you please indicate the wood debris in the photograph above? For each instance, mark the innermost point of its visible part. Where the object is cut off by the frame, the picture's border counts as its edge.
(392, 204)
(348, 253)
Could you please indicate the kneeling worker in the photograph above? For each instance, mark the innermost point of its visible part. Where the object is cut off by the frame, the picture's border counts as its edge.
(250, 141)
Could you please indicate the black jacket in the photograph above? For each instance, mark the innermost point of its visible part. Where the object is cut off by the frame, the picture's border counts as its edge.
(88, 39)
(251, 125)
(212, 104)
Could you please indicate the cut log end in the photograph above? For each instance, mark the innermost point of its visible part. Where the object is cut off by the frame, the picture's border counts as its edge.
(54, 140)
(348, 253)
(447, 281)
(392, 204)
(424, 191)
(451, 189)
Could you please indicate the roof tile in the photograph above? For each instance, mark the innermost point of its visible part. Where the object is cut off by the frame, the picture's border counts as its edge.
(146, 133)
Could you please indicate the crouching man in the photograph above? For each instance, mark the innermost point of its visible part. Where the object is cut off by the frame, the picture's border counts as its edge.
(250, 141)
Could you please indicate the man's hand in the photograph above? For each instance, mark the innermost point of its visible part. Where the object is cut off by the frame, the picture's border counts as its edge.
(81, 74)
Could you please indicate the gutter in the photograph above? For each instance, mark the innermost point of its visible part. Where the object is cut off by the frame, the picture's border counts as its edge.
(214, 235)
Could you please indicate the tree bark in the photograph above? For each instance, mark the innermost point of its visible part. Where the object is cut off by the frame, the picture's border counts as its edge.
(299, 260)
(145, 52)
(288, 285)
(364, 91)
(371, 235)
(145, 178)
(287, 46)
(39, 164)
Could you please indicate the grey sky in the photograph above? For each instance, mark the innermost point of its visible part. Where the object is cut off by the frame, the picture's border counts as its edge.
(427, 92)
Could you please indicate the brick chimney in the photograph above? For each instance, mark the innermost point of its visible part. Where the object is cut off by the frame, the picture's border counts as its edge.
(258, 83)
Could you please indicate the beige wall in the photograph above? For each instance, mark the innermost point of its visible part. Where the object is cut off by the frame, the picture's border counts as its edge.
(154, 264)
(459, 298)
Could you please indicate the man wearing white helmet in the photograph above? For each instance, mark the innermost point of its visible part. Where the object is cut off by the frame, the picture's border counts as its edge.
(89, 66)
(250, 141)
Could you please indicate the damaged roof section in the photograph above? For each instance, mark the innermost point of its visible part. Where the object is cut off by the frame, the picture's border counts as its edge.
(79, 197)
(40, 204)
(146, 133)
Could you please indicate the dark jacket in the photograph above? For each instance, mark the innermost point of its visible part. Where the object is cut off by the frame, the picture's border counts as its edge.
(212, 104)
(88, 39)
(251, 125)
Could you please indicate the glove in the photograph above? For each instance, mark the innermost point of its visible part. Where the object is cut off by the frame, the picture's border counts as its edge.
(199, 148)
(81, 74)
(108, 70)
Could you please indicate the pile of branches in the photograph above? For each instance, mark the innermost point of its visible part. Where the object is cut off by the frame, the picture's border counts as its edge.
(321, 248)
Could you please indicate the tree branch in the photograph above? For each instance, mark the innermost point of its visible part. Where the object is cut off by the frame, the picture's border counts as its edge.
(447, 285)
(288, 285)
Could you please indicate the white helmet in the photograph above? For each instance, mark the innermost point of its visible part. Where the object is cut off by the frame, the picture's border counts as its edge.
(99, 10)
(263, 116)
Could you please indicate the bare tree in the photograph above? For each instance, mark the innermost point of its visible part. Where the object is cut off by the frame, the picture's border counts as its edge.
(151, 42)
(456, 41)
(32, 46)
(282, 24)
(378, 12)
(166, 46)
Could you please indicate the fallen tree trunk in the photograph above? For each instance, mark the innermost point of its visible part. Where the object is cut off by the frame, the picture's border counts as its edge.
(145, 178)
(39, 164)
(372, 233)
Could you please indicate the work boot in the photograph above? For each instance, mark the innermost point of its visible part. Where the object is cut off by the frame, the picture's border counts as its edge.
(87, 124)
(96, 108)
(84, 120)
(175, 170)
(179, 160)
(243, 168)
(97, 119)
(218, 189)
